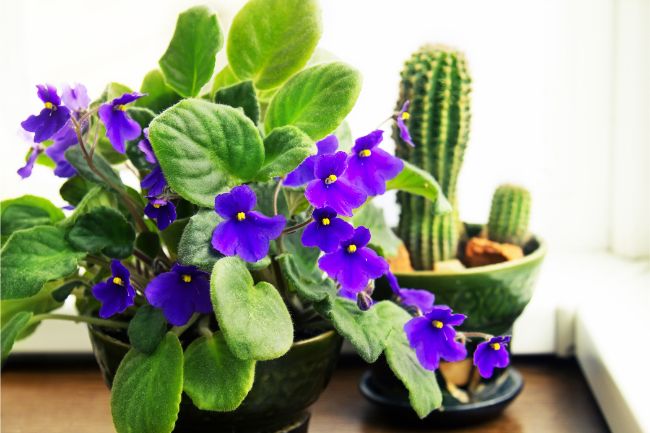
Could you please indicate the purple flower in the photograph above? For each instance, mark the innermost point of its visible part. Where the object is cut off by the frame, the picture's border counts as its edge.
(305, 171)
(330, 188)
(154, 182)
(327, 231)
(353, 265)
(145, 147)
(244, 232)
(120, 127)
(179, 293)
(161, 210)
(369, 167)
(75, 98)
(65, 138)
(491, 354)
(420, 299)
(433, 336)
(51, 118)
(116, 293)
(403, 130)
(26, 170)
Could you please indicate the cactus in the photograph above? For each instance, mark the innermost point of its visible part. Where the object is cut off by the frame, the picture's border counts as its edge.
(436, 81)
(509, 215)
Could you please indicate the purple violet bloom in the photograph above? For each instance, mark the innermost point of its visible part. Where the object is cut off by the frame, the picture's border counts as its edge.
(75, 98)
(64, 139)
(119, 126)
(327, 231)
(491, 354)
(403, 115)
(179, 293)
(116, 293)
(305, 171)
(161, 210)
(154, 182)
(330, 188)
(51, 118)
(26, 170)
(433, 337)
(420, 299)
(369, 167)
(244, 232)
(145, 147)
(353, 265)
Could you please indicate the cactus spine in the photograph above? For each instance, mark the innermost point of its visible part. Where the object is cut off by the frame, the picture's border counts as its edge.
(436, 81)
(509, 215)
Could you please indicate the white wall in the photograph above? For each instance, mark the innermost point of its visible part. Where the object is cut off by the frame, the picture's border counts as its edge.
(541, 103)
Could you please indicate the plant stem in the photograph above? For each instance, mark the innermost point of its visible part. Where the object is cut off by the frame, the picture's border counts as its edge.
(297, 227)
(178, 330)
(276, 193)
(78, 319)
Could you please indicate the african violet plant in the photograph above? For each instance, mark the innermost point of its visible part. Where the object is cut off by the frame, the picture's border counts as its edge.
(243, 229)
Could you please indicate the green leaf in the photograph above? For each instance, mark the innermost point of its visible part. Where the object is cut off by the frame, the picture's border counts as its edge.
(42, 302)
(215, 379)
(195, 247)
(147, 329)
(204, 149)
(189, 60)
(143, 116)
(159, 96)
(315, 100)
(416, 181)
(224, 78)
(265, 192)
(148, 243)
(27, 211)
(12, 329)
(96, 197)
(147, 389)
(241, 95)
(253, 318)
(75, 156)
(34, 256)
(363, 329)
(424, 392)
(270, 40)
(284, 149)
(171, 236)
(103, 229)
(372, 217)
(308, 283)
(74, 189)
(344, 135)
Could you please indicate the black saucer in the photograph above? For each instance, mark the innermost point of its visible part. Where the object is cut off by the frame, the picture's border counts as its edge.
(485, 405)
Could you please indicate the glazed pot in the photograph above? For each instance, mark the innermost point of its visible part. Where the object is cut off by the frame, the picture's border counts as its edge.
(284, 388)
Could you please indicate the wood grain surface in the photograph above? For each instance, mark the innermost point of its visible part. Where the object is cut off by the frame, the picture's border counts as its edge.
(69, 396)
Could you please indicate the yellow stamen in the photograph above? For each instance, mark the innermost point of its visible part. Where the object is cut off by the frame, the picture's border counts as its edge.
(365, 153)
(156, 205)
(118, 281)
(120, 107)
(241, 216)
(405, 115)
(495, 346)
(437, 324)
(325, 221)
(187, 278)
(49, 105)
(331, 179)
(352, 248)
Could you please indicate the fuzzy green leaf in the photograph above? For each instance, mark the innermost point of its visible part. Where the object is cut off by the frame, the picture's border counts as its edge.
(215, 379)
(74, 189)
(315, 100)
(33, 257)
(307, 283)
(372, 217)
(205, 149)
(75, 156)
(159, 96)
(103, 229)
(27, 211)
(419, 182)
(254, 319)
(240, 95)
(195, 246)
(270, 40)
(12, 329)
(284, 148)
(147, 389)
(189, 60)
(147, 329)
(224, 78)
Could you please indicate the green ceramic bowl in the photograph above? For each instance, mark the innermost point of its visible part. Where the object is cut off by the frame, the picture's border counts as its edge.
(284, 388)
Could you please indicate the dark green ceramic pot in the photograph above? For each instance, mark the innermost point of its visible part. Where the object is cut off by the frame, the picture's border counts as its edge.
(284, 388)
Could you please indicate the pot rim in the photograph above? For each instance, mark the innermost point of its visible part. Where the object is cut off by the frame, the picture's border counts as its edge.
(322, 336)
(536, 255)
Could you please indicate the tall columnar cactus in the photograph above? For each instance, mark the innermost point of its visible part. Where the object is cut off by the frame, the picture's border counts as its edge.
(509, 215)
(436, 81)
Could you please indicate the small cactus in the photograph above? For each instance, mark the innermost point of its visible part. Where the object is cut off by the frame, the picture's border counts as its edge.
(509, 215)
(436, 81)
